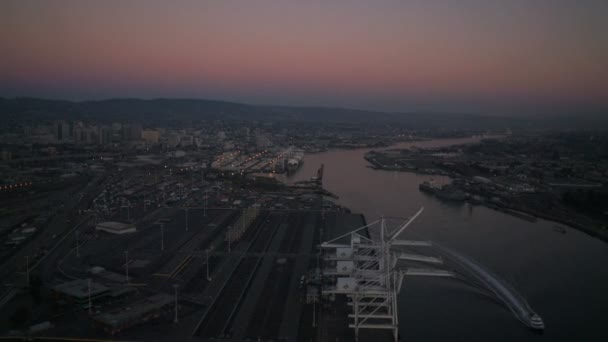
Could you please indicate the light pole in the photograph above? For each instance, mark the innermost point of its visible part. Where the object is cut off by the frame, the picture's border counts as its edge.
(77, 243)
(314, 321)
(205, 206)
(162, 237)
(127, 266)
(243, 221)
(90, 302)
(208, 277)
(27, 271)
(128, 211)
(186, 213)
(175, 320)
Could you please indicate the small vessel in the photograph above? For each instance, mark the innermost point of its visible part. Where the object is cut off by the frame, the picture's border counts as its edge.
(559, 229)
(444, 192)
(535, 322)
(429, 186)
(520, 214)
(449, 194)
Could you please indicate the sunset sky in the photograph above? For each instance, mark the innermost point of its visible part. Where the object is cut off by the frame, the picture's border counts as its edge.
(387, 55)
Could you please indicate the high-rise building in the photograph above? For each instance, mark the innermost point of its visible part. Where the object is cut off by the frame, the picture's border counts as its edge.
(105, 135)
(132, 131)
(136, 131)
(85, 134)
(151, 136)
(62, 131)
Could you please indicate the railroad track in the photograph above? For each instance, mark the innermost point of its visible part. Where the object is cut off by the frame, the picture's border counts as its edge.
(217, 320)
(225, 305)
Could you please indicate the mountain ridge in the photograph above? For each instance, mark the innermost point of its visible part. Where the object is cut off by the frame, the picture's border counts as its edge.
(163, 109)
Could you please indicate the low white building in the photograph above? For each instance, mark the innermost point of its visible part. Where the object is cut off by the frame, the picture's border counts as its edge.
(116, 227)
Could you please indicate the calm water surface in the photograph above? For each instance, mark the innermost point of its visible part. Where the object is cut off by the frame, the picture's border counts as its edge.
(563, 276)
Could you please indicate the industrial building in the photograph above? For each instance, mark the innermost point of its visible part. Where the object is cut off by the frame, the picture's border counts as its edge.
(138, 312)
(80, 290)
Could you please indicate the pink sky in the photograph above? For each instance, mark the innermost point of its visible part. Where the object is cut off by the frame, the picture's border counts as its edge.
(371, 54)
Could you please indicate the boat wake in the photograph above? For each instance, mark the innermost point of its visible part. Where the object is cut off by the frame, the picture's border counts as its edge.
(508, 295)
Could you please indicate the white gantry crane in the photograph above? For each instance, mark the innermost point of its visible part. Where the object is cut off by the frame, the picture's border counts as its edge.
(366, 272)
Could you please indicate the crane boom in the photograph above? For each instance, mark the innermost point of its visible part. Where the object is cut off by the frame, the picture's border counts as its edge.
(394, 235)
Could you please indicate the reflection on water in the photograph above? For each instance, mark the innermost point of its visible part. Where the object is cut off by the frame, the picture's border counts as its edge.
(562, 275)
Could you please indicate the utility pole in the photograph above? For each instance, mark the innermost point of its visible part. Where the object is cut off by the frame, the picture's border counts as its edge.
(162, 237)
(127, 266)
(175, 320)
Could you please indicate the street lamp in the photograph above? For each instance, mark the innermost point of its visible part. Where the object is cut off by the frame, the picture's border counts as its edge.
(208, 277)
(90, 302)
(129, 211)
(127, 266)
(186, 213)
(205, 206)
(27, 271)
(162, 236)
(77, 243)
(175, 319)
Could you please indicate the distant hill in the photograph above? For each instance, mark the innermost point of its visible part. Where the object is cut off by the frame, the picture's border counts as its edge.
(202, 109)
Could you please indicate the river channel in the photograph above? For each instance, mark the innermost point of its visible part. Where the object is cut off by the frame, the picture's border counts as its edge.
(563, 275)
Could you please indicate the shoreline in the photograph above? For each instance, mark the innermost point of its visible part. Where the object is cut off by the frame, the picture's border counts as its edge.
(533, 216)
(519, 212)
(596, 232)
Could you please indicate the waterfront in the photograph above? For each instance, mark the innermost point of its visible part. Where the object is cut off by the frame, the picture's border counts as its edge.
(561, 275)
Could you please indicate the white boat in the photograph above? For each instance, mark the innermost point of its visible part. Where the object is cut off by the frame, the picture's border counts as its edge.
(535, 322)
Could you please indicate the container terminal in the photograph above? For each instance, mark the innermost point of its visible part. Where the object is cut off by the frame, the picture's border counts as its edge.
(210, 274)
(242, 274)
